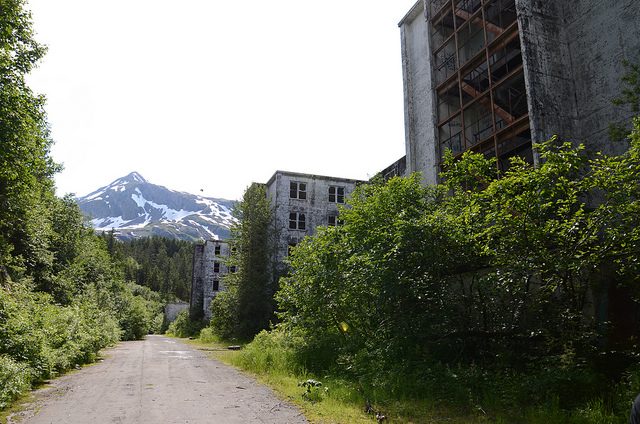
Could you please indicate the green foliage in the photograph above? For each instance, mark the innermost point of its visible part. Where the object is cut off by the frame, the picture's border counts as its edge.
(483, 291)
(62, 295)
(224, 313)
(163, 265)
(15, 379)
(630, 98)
(183, 326)
(247, 307)
(40, 339)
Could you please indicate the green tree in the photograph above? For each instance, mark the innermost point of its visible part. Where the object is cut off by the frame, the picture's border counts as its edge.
(252, 287)
(26, 168)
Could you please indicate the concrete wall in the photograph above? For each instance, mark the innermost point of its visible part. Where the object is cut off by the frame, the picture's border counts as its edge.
(572, 58)
(197, 281)
(419, 99)
(316, 206)
(204, 260)
(573, 53)
(171, 311)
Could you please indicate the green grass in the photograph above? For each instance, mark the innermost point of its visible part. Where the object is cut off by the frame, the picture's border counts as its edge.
(340, 403)
(272, 363)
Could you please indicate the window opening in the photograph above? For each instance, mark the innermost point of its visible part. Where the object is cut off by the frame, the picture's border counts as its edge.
(336, 194)
(297, 190)
(297, 221)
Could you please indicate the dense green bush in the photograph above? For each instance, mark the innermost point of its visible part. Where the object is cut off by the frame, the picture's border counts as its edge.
(182, 326)
(39, 339)
(15, 379)
(469, 289)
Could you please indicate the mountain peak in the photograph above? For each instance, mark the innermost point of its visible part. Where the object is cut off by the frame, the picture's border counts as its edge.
(135, 207)
(134, 177)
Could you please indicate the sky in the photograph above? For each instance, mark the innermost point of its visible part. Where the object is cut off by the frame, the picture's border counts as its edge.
(208, 96)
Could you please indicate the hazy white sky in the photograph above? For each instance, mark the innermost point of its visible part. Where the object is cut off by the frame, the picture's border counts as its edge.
(211, 95)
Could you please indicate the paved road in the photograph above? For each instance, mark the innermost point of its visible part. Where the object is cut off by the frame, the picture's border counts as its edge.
(158, 380)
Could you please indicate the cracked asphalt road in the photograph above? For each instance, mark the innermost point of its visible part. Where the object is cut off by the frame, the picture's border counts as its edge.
(157, 380)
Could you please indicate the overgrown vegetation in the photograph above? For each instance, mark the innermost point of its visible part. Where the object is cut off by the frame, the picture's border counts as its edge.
(247, 306)
(62, 295)
(511, 298)
(161, 264)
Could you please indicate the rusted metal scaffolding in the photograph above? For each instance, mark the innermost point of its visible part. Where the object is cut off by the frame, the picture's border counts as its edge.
(480, 89)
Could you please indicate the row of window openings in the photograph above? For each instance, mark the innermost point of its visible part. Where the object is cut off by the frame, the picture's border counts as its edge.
(216, 268)
(298, 221)
(217, 250)
(298, 190)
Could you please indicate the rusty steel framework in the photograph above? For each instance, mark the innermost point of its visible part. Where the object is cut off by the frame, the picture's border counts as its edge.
(480, 89)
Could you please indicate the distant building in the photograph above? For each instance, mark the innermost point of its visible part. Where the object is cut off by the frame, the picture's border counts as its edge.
(396, 169)
(209, 269)
(300, 203)
(495, 76)
(303, 202)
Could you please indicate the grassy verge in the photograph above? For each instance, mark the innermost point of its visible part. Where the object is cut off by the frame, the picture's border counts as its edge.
(340, 401)
(337, 401)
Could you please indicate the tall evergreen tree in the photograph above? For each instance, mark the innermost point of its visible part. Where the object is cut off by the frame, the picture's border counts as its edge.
(26, 170)
(249, 302)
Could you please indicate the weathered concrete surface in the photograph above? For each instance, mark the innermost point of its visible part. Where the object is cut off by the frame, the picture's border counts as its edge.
(205, 256)
(157, 380)
(171, 310)
(573, 54)
(316, 206)
(420, 109)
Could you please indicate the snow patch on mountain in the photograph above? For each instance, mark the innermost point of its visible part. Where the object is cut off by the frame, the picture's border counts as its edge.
(131, 202)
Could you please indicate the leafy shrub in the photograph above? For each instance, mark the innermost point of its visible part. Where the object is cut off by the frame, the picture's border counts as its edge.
(15, 379)
(183, 326)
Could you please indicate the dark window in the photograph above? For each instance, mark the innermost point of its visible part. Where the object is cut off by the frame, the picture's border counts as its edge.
(336, 194)
(216, 285)
(297, 190)
(333, 221)
(232, 269)
(216, 251)
(292, 243)
(216, 267)
(297, 221)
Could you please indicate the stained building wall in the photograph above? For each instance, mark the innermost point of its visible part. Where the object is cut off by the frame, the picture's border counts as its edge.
(209, 269)
(572, 55)
(316, 206)
(422, 151)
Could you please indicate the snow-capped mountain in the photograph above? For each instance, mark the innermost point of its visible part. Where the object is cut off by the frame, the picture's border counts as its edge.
(134, 207)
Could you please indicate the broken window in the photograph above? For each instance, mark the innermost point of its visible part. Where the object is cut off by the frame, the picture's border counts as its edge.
(480, 92)
(336, 194)
(216, 284)
(297, 221)
(216, 250)
(216, 267)
(333, 221)
(297, 190)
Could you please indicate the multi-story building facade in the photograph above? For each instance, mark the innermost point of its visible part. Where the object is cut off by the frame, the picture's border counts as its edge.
(303, 202)
(300, 204)
(209, 269)
(495, 76)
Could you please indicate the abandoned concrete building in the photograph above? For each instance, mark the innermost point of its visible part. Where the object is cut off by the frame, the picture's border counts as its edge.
(495, 76)
(303, 202)
(209, 269)
(300, 203)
